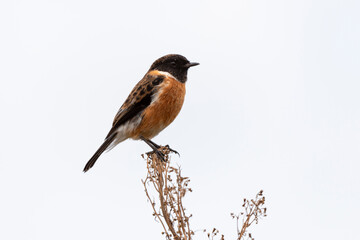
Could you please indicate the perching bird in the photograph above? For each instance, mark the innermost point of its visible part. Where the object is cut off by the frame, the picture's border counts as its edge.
(151, 106)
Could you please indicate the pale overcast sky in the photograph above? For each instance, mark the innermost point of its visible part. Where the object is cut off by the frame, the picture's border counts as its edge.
(274, 105)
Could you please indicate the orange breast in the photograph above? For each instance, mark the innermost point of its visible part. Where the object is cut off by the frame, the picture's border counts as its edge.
(163, 110)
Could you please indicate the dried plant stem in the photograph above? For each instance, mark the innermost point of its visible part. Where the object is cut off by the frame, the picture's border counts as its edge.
(167, 183)
(153, 207)
(253, 211)
(164, 209)
(244, 227)
(171, 212)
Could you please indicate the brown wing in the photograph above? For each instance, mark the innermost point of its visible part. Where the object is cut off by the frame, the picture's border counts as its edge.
(139, 98)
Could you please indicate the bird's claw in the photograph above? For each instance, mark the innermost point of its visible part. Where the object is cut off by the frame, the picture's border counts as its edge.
(172, 150)
(160, 154)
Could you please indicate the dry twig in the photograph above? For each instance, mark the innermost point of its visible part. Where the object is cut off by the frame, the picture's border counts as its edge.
(171, 188)
(166, 181)
(253, 210)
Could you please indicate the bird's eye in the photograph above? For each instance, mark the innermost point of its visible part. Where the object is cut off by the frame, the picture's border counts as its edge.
(173, 63)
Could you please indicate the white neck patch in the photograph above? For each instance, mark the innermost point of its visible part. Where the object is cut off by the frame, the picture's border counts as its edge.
(167, 74)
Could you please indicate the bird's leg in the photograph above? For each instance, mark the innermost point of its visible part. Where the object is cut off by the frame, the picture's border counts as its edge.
(155, 148)
(167, 146)
(156, 145)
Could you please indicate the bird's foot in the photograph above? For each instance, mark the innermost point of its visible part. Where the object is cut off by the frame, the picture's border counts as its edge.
(160, 154)
(172, 150)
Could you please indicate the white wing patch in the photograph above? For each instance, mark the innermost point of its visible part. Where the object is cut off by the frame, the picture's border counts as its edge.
(124, 131)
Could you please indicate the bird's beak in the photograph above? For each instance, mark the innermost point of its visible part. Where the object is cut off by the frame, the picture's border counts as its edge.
(191, 64)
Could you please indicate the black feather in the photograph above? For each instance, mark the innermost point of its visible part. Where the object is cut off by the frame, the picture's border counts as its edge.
(134, 110)
(97, 154)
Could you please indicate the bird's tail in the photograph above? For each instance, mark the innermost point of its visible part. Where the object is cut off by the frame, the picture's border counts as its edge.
(97, 154)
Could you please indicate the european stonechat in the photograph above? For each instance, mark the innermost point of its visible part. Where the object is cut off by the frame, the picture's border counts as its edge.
(151, 106)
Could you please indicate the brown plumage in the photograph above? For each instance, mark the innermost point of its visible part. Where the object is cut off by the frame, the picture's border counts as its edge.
(156, 117)
(151, 106)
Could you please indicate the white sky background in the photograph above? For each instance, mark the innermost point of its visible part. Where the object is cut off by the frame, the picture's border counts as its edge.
(274, 105)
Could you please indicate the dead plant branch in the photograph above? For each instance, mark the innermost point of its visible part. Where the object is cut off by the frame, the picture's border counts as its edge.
(165, 180)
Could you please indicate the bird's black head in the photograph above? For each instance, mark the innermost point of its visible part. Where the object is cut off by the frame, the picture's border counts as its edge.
(174, 64)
